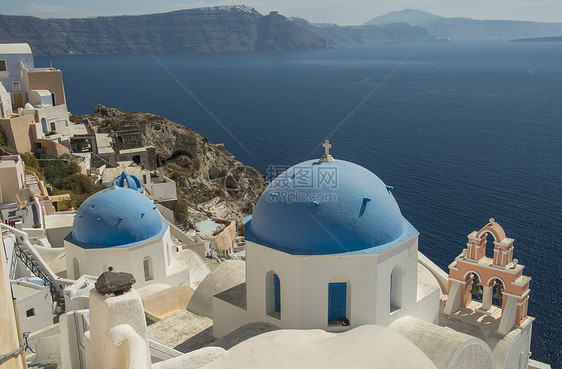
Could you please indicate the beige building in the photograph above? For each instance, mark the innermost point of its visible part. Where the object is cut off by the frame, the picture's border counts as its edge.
(32, 102)
(12, 179)
(19, 132)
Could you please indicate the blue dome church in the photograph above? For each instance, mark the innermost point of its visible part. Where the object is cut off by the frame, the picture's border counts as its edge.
(120, 229)
(328, 247)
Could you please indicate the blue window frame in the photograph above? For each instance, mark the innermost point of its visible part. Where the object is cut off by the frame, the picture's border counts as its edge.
(337, 301)
(277, 293)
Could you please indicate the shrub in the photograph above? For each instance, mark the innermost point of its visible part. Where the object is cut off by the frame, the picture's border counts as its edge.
(79, 183)
(181, 212)
(173, 166)
(3, 137)
(197, 163)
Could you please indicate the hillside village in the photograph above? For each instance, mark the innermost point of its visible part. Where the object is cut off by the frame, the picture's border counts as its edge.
(132, 242)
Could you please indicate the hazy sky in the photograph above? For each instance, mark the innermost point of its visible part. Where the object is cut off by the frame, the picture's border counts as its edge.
(342, 12)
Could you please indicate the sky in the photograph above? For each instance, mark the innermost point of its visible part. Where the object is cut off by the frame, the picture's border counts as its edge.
(342, 12)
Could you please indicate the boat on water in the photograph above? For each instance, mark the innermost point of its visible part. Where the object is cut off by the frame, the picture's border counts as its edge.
(439, 40)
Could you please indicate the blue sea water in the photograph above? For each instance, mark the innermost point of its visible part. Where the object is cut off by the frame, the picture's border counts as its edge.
(464, 131)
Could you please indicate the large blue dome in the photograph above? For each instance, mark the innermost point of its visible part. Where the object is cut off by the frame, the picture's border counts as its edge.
(331, 207)
(116, 217)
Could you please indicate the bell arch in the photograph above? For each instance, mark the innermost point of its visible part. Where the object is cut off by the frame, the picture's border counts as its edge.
(497, 283)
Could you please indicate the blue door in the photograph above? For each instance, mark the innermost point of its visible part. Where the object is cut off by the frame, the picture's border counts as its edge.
(277, 293)
(337, 296)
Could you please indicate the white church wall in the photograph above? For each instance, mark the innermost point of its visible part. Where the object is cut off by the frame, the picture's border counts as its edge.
(317, 272)
(261, 260)
(129, 259)
(95, 261)
(405, 256)
(154, 252)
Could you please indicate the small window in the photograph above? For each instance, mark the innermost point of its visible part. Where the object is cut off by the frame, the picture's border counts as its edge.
(337, 304)
(148, 272)
(277, 293)
(16, 86)
(3, 67)
(53, 126)
(30, 313)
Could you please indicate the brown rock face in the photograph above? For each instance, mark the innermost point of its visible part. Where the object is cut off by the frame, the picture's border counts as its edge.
(202, 170)
(114, 282)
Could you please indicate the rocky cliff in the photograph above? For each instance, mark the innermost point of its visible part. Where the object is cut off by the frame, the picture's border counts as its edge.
(201, 169)
(216, 29)
(334, 34)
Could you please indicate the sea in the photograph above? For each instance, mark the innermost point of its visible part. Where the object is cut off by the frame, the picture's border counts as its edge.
(464, 131)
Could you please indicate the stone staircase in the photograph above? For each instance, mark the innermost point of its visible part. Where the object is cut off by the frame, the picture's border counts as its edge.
(24, 251)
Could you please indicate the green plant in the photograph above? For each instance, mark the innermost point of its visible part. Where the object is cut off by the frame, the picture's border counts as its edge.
(9, 149)
(3, 137)
(197, 163)
(181, 212)
(173, 166)
(37, 225)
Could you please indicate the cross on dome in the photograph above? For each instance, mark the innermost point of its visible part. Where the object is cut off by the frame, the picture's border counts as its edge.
(326, 157)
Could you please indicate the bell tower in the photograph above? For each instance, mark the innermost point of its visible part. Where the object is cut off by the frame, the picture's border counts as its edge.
(486, 284)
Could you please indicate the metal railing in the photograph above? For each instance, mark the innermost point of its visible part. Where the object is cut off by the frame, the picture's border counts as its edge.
(34, 268)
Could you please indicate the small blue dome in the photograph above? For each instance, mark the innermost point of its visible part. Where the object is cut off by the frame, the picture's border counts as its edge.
(317, 208)
(115, 217)
(128, 181)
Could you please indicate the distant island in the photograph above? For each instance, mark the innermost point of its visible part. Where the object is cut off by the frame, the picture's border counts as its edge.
(242, 28)
(539, 39)
(213, 29)
(467, 28)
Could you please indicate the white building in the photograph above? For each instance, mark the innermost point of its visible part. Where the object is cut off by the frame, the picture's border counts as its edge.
(11, 55)
(5, 102)
(33, 304)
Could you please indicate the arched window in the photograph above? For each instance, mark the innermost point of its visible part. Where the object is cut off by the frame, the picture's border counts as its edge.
(338, 301)
(16, 86)
(147, 265)
(396, 288)
(76, 267)
(273, 294)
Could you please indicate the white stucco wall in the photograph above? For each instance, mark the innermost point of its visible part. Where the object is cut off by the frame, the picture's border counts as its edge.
(5, 102)
(163, 191)
(130, 259)
(304, 285)
(13, 55)
(117, 336)
(57, 117)
(37, 301)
